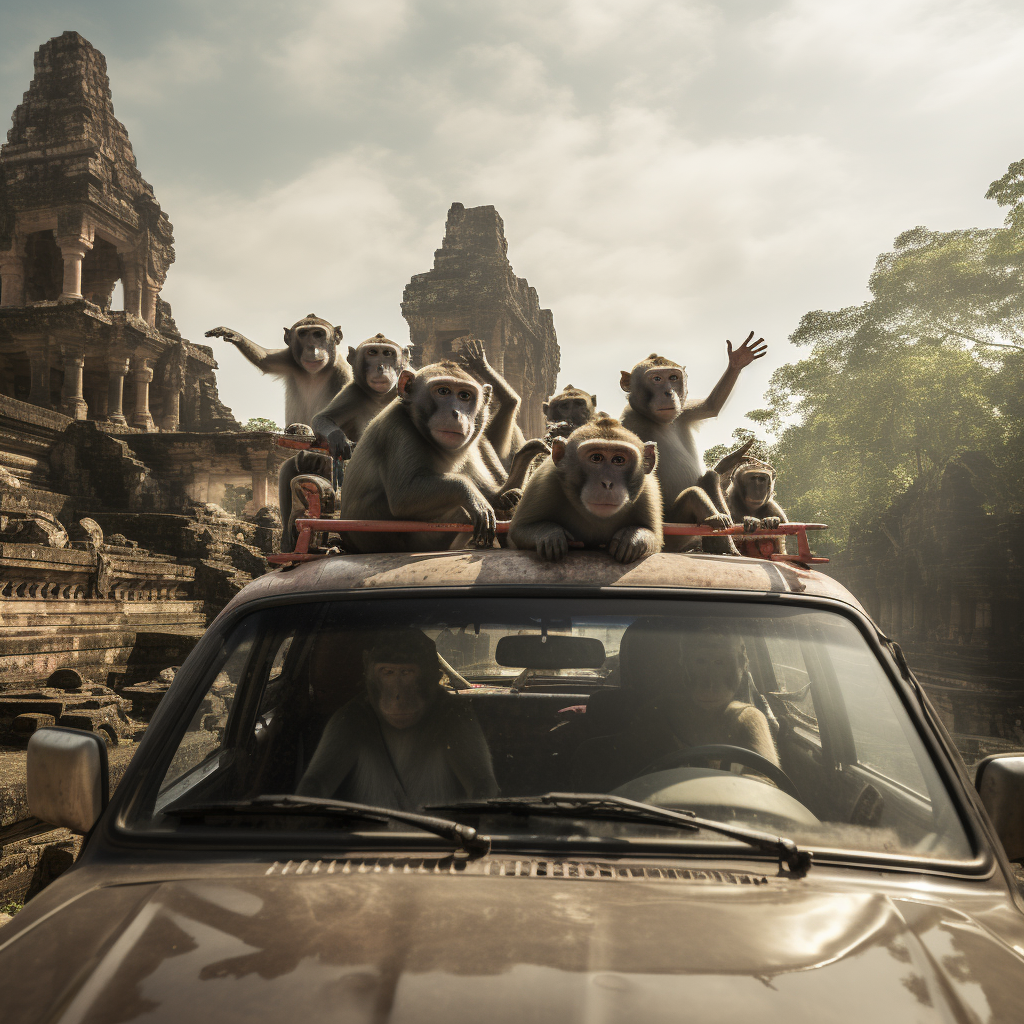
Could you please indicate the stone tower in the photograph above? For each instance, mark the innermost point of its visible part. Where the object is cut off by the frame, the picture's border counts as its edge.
(76, 217)
(473, 292)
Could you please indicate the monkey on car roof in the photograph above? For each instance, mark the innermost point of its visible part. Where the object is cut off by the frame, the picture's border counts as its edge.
(310, 364)
(420, 459)
(659, 410)
(598, 487)
(751, 499)
(569, 406)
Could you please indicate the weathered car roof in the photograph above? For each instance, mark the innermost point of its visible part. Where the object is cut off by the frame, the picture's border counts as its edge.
(511, 569)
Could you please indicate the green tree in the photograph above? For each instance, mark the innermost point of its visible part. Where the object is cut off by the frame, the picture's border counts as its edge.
(929, 368)
(261, 423)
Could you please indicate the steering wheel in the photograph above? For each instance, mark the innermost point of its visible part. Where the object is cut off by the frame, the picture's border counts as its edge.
(724, 752)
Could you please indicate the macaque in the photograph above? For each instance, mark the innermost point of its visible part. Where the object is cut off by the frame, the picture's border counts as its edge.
(420, 460)
(569, 407)
(502, 435)
(376, 364)
(598, 488)
(660, 411)
(751, 499)
(310, 364)
(406, 743)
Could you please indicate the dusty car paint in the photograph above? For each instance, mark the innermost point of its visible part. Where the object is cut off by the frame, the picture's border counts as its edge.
(344, 942)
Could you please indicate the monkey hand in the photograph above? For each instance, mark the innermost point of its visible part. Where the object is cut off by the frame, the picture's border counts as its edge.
(553, 543)
(473, 356)
(508, 499)
(484, 522)
(746, 353)
(751, 523)
(226, 333)
(771, 523)
(338, 444)
(719, 521)
(631, 543)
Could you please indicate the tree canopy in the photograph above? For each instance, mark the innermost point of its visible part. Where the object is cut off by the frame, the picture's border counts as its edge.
(929, 368)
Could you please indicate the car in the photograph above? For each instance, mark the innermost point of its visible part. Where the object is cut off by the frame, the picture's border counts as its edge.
(696, 787)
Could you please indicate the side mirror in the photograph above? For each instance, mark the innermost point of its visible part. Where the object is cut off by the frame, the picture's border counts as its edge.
(68, 778)
(1000, 784)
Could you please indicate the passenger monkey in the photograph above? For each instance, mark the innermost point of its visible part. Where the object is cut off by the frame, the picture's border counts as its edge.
(310, 364)
(751, 499)
(420, 459)
(659, 411)
(406, 743)
(598, 487)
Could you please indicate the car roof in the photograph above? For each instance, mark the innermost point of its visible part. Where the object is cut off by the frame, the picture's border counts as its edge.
(513, 570)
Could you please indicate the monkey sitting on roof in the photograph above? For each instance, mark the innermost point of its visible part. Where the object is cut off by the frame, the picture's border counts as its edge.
(751, 500)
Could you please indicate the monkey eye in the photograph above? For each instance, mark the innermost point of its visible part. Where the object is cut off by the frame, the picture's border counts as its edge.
(618, 460)
(371, 351)
(466, 396)
(597, 457)
(674, 376)
(656, 378)
(319, 334)
(443, 390)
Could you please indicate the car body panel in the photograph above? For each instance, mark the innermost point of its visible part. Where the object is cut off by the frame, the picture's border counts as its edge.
(584, 570)
(423, 940)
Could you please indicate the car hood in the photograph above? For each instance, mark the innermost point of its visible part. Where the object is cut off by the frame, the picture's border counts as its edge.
(381, 945)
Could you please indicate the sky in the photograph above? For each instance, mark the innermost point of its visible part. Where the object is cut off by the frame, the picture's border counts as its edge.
(670, 174)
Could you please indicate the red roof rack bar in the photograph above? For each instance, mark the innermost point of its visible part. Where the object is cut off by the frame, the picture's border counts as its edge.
(307, 527)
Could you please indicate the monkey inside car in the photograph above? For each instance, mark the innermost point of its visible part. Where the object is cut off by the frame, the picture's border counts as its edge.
(597, 488)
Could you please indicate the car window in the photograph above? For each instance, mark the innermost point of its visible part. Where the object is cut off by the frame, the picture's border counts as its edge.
(778, 718)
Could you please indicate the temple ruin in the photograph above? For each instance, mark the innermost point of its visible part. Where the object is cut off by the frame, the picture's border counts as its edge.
(472, 291)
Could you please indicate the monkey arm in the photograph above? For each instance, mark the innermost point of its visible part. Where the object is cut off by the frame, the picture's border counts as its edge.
(501, 431)
(426, 496)
(751, 730)
(335, 755)
(327, 422)
(276, 361)
(469, 756)
(707, 408)
(772, 508)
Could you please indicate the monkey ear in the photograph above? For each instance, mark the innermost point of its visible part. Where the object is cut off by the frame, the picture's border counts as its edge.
(544, 408)
(593, 400)
(337, 335)
(650, 456)
(557, 450)
(625, 380)
(404, 380)
(287, 335)
(351, 357)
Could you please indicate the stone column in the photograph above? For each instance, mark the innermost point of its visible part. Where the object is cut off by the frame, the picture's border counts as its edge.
(115, 390)
(169, 420)
(12, 278)
(72, 401)
(148, 304)
(73, 249)
(258, 461)
(143, 377)
(132, 283)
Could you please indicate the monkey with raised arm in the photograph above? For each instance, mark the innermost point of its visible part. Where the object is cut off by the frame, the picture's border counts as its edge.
(751, 499)
(599, 487)
(420, 459)
(502, 434)
(660, 410)
(310, 365)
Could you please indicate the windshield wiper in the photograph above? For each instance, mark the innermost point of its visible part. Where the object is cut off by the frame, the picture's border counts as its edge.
(464, 836)
(604, 806)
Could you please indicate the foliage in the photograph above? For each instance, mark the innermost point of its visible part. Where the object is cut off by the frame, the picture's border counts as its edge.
(261, 423)
(235, 499)
(760, 449)
(930, 368)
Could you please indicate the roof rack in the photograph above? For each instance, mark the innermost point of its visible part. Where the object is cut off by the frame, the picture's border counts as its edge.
(764, 538)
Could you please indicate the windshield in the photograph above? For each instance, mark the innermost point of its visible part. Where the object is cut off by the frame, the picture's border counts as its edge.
(774, 718)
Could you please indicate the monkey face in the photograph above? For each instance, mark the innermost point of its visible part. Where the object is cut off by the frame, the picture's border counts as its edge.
(611, 469)
(714, 671)
(312, 344)
(457, 404)
(666, 388)
(400, 699)
(378, 362)
(757, 488)
(570, 410)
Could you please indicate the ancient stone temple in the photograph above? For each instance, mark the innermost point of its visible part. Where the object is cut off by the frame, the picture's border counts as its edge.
(76, 217)
(473, 292)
